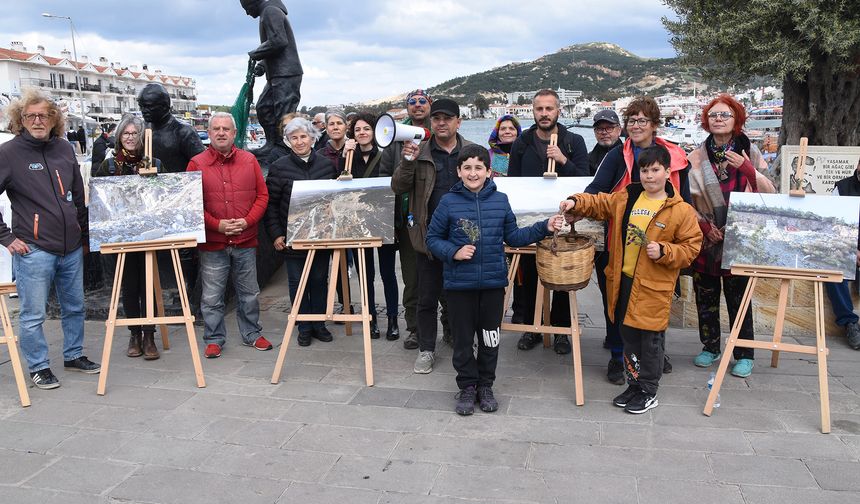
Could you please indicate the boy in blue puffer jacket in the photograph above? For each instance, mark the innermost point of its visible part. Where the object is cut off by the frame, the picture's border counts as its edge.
(467, 233)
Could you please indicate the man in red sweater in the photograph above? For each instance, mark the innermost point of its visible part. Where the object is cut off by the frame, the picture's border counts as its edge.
(234, 201)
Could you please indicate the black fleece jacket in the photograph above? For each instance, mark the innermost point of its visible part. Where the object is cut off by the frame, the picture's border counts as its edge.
(44, 184)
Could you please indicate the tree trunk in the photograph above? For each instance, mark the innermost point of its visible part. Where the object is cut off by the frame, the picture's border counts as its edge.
(825, 108)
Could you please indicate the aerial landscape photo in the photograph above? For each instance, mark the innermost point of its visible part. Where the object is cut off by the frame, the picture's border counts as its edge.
(810, 232)
(132, 208)
(534, 199)
(337, 210)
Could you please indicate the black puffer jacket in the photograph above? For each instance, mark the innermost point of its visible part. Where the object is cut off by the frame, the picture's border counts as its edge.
(279, 182)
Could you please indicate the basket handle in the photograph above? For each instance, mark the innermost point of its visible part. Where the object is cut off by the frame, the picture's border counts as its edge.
(554, 246)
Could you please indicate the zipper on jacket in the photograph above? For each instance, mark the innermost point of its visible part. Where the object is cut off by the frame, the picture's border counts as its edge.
(481, 256)
(59, 203)
(36, 226)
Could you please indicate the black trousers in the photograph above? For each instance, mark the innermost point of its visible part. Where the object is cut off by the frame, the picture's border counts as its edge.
(613, 335)
(643, 350)
(707, 289)
(134, 289)
(475, 315)
(525, 294)
(429, 294)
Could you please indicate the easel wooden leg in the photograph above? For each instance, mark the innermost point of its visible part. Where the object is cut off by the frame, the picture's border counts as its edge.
(547, 316)
(159, 302)
(332, 283)
(730, 346)
(365, 318)
(512, 275)
(537, 322)
(110, 323)
(189, 318)
(294, 313)
(17, 370)
(779, 322)
(344, 283)
(821, 346)
(577, 356)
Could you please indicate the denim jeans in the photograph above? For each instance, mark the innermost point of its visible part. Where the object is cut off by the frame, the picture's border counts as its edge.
(215, 269)
(316, 291)
(843, 305)
(35, 273)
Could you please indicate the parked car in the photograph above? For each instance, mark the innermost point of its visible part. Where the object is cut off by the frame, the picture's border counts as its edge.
(204, 137)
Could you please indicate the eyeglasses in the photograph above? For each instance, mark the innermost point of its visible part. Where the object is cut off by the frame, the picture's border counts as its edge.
(641, 121)
(130, 134)
(605, 129)
(316, 122)
(31, 118)
(419, 101)
(723, 116)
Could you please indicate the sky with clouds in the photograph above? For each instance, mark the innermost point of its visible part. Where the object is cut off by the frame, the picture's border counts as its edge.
(351, 50)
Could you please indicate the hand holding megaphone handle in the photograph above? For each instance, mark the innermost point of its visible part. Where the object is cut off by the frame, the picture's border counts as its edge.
(416, 142)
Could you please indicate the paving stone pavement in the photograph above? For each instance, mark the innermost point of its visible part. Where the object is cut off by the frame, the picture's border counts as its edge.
(322, 436)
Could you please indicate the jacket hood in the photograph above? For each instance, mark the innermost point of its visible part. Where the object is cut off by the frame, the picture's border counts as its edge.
(493, 141)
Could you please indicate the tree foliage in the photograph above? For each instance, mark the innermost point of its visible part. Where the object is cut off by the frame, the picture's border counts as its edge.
(779, 38)
(813, 46)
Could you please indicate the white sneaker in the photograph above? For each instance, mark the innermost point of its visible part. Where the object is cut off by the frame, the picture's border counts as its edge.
(424, 362)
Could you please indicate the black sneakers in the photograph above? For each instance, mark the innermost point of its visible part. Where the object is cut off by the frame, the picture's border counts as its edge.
(83, 365)
(615, 372)
(561, 344)
(45, 379)
(529, 340)
(642, 402)
(625, 397)
(486, 401)
(466, 401)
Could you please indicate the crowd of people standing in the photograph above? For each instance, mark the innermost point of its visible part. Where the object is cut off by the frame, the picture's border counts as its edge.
(677, 201)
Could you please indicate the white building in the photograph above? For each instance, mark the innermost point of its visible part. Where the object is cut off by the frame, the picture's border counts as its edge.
(109, 89)
(566, 97)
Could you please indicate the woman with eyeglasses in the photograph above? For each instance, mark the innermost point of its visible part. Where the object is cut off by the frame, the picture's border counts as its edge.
(618, 170)
(366, 164)
(501, 139)
(726, 162)
(128, 159)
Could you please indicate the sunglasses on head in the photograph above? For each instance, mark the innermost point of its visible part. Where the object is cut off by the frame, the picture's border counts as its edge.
(419, 101)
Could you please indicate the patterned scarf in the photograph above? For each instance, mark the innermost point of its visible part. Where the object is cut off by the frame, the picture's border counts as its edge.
(128, 162)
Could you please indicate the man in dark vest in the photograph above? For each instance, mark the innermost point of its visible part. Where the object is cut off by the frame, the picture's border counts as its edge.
(840, 296)
(278, 59)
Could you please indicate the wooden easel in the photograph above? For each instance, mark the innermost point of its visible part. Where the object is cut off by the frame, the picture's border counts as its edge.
(785, 275)
(11, 343)
(347, 170)
(339, 247)
(153, 285)
(550, 168)
(542, 313)
(801, 169)
(148, 168)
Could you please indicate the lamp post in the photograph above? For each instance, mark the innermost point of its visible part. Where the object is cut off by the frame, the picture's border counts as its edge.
(77, 70)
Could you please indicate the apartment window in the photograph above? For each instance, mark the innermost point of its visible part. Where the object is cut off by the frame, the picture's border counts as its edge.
(53, 80)
(62, 81)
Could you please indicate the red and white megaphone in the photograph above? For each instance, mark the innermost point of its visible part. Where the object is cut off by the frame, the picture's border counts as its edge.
(389, 131)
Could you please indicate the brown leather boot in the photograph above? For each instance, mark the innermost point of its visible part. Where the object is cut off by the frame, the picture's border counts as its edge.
(150, 351)
(134, 345)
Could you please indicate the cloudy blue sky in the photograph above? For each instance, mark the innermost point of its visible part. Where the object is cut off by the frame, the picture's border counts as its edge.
(351, 50)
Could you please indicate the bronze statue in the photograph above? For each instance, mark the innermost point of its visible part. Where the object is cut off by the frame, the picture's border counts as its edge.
(277, 58)
(172, 142)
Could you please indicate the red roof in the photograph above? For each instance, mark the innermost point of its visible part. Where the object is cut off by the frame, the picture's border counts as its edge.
(10, 54)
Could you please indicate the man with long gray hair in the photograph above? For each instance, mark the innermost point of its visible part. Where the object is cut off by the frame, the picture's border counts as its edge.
(41, 176)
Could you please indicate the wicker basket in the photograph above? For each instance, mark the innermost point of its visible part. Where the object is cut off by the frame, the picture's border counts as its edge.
(564, 263)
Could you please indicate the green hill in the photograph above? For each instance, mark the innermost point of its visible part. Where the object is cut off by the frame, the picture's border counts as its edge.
(600, 70)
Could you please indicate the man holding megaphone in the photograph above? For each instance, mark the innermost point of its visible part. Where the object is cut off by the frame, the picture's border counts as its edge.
(418, 104)
(426, 173)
